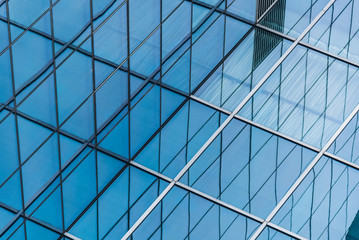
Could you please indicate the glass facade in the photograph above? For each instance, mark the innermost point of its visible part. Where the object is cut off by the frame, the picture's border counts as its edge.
(179, 119)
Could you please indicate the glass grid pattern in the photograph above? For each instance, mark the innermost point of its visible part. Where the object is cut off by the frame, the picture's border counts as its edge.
(179, 119)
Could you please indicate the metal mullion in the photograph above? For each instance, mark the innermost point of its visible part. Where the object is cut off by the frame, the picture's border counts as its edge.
(225, 123)
(127, 165)
(57, 115)
(16, 120)
(94, 110)
(128, 111)
(311, 47)
(160, 113)
(54, 178)
(110, 74)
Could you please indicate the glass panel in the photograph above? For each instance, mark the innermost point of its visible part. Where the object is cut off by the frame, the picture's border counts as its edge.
(248, 168)
(307, 97)
(325, 205)
(346, 144)
(184, 215)
(337, 31)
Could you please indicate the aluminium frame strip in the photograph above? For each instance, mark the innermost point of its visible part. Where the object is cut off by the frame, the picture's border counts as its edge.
(225, 123)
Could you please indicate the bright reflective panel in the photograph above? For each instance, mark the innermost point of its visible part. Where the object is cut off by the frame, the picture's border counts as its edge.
(308, 97)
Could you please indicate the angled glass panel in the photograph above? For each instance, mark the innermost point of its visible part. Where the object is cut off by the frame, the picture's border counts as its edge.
(346, 144)
(292, 17)
(180, 139)
(184, 215)
(119, 207)
(307, 97)
(86, 176)
(6, 91)
(325, 205)
(188, 66)
(243, 69)
(149, 110)
(248, 168)
(26, 63)
(337, 31)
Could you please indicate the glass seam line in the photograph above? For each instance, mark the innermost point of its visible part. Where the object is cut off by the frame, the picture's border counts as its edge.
(226, 122)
